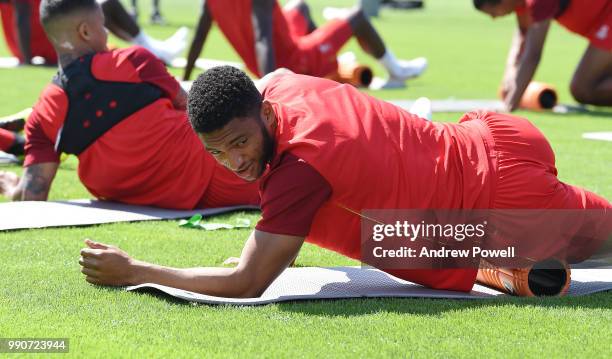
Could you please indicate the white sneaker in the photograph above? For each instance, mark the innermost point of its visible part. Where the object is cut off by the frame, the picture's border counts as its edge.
(333, 13)
(410, 69)
(422, 108)
(387, 84)
(172, 47)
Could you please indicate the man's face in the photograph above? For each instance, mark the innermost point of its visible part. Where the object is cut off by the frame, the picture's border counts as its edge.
(244, 146)
(503, 8)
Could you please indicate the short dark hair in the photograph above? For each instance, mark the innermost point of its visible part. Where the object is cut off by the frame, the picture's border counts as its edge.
(219, 95)
(478, 4)
(53, 9)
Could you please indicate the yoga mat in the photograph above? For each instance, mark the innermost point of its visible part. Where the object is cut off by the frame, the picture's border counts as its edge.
(600, 136)
(38, 214)
(457, 105)
(314, 283)
(8, 159)
(205, 64)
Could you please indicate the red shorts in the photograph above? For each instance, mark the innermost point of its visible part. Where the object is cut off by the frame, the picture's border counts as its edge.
(7, 139)
(601, 35)
(318, 50)
(227, 189)
(525, 177)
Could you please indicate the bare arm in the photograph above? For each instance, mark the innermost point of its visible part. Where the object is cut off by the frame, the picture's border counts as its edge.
(22, 21)
(35, 182)
(262, 31)
(264, 257)
(202, 30)
(523, 61)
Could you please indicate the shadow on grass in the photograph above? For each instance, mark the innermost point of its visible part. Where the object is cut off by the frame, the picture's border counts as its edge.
(437, 307)
(577, 111)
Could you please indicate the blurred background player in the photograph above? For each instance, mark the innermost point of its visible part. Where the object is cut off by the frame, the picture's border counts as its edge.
(592, 19)
(123, 115)
(26, 38)
(268, 37)
(156, 16)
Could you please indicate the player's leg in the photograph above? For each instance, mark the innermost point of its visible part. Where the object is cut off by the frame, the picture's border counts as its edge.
(156, 16)
(134, 10)
(372, 43)
(11, 142)
(122, 25)
(527, 179)
(297, 14)
(592, 82)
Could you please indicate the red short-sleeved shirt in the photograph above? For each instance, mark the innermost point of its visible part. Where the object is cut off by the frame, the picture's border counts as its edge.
(291, 197)
(39, 43)
(591, 19)
(152, 157)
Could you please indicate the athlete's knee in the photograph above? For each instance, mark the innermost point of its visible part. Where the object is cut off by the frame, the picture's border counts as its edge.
(580, 91)
(356, 17)
(299, 5)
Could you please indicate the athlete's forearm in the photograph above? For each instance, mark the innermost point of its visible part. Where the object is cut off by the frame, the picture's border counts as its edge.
(528, 62)
(223, 282)
(516, 49)
(36, 182)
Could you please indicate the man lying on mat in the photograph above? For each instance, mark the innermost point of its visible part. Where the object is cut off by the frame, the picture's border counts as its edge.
(318, 174)
(124, 116)
(592, 19)
(268, 37)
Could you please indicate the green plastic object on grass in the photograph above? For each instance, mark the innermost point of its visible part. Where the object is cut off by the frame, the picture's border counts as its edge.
(196, 222)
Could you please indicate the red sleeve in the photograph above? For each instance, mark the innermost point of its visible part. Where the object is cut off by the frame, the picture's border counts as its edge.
(291, 196)
(43, 125)
(38, 147)
(135, 64)
(541, 10)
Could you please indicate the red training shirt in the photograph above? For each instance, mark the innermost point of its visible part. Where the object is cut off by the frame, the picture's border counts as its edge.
(153, 157)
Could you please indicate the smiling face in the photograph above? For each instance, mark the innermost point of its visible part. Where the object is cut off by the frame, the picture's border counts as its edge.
(244, 145)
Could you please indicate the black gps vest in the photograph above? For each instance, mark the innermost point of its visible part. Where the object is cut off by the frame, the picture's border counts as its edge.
(95, 106)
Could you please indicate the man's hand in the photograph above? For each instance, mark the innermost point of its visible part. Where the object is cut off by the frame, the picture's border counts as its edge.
(106, 265)
(8, 183)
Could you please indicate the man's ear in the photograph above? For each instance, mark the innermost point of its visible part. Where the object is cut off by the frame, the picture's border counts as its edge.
(83, 30)
(268, 115)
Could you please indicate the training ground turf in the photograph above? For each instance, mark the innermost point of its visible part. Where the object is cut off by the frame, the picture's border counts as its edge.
(43, 294)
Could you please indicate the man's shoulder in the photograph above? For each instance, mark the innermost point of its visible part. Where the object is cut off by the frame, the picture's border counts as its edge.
(116, 56)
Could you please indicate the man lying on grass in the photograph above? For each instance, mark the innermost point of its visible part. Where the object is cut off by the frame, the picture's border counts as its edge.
(317, 175)
(123, 115)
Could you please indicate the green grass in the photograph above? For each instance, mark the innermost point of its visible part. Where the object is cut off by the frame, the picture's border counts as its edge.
(42, 293)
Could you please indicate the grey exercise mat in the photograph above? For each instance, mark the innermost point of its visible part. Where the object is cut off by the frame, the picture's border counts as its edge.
(458, 105)
(35, 214)
(314, 283)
